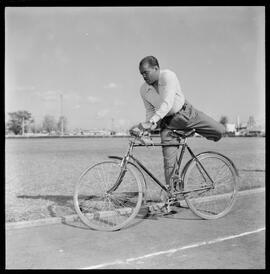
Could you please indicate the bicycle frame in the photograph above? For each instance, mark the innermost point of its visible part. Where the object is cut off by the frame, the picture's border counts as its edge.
(176, 169)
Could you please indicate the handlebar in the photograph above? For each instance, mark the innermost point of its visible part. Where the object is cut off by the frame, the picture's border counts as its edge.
(139, 136)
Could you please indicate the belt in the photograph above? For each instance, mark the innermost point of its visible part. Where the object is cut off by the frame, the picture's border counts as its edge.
(183, 107)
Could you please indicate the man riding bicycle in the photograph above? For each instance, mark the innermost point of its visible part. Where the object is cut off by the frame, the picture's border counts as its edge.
(167, 108)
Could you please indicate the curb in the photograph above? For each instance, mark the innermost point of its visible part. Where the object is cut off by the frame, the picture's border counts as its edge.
(75, 217)
(39, 222)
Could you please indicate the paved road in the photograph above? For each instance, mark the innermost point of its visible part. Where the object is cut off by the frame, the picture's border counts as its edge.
(180, 241)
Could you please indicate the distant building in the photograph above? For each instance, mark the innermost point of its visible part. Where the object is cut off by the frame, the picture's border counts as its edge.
(251, 131)
(230, 128)
(121, 133)
(254, 131)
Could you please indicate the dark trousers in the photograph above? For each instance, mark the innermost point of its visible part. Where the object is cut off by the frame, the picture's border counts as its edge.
(187, 118)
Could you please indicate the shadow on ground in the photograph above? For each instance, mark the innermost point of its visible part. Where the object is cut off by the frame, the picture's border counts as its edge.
(62, 204)
(60, 199)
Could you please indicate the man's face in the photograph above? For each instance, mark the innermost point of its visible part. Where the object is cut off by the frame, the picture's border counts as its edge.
(150, 74)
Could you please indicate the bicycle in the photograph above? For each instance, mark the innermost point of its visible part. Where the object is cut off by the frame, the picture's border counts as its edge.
(109, 194)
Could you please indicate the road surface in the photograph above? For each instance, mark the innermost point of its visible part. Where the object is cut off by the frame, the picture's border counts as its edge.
(179, 241)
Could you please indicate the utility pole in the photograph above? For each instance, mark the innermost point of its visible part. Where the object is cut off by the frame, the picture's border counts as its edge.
(251, 122)
(23, 126)
(62, 120)
(238, 123)
(112, 124)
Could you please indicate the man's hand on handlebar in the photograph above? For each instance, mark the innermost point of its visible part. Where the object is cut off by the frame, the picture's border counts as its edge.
(135, 131)
(142, 128)
(142, 131)
(147, 126)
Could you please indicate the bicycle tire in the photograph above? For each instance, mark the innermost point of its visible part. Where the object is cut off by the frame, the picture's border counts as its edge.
(211, 203)
(102, 211)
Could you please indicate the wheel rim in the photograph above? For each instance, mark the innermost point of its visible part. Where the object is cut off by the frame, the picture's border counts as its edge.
(107, 211)
(213, 202)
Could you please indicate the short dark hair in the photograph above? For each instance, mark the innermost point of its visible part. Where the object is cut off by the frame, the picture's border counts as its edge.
(151, 60)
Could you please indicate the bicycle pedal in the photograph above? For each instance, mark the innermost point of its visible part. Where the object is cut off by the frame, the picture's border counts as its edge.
(170, 201)
(158, 209)
(167, 210)
(176, 204)
(170, 213)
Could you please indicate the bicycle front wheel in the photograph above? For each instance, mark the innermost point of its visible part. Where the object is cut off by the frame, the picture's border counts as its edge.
(210, 198)
(100, 208)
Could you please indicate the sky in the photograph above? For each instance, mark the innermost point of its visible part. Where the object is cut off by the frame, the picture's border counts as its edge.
(90, 55)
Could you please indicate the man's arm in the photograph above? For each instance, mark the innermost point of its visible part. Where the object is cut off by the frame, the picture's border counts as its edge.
(149, 109)
(150, 112)
(167, 91)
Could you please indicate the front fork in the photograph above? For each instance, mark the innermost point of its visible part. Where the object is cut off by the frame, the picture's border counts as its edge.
(123, 170)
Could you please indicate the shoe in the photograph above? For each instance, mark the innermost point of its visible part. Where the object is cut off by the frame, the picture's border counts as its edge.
(177, 204)
(159, 209)
(163, 196)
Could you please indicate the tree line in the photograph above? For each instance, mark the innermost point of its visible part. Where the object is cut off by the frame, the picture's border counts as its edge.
(22, 121)
(250, 123)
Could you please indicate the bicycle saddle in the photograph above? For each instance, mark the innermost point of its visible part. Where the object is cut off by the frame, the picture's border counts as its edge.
(184, 133)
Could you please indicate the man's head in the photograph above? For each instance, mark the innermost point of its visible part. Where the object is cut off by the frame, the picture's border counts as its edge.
(149, 69)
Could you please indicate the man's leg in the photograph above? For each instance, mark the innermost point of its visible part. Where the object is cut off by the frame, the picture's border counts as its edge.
(191, 118)
(188, 118)
(207, 127)
(169, 154)
(169, 157)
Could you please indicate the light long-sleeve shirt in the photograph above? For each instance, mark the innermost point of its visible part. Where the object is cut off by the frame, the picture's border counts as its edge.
(165, 101)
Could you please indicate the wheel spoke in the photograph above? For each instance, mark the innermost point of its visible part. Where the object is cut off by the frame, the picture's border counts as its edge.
(100, 210)
(217, 201)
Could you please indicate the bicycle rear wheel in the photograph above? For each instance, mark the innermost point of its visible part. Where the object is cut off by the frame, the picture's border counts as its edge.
(101, 210)
(206, 199)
